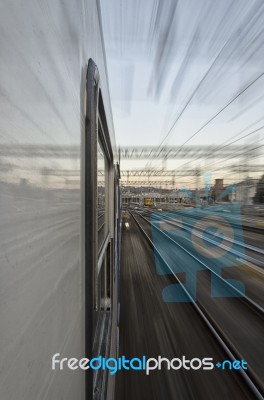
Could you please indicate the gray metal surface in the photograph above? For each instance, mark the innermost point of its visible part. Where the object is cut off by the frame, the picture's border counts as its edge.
(44, 50)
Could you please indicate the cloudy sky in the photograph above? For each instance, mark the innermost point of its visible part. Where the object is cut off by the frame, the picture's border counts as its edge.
(186, 72)
(183, 60)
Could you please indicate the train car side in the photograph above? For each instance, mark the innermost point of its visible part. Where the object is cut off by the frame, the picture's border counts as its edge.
(45, 271)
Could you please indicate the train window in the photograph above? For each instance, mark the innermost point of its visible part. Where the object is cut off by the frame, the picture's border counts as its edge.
(99, 200)
(101, 175)
(108, 278)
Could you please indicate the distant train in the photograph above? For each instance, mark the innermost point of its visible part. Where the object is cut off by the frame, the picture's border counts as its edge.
(148, 201)
(59, 202)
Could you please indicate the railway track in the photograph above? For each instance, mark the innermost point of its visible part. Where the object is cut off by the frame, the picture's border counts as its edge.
(212, 237)
(205, 265)
(253, 227)
(239, 251)
(212, 314)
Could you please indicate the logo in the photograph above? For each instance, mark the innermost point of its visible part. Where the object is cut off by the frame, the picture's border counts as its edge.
(144, 364)
(196, 239)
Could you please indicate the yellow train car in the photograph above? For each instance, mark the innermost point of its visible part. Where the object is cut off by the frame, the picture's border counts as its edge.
(148, 202)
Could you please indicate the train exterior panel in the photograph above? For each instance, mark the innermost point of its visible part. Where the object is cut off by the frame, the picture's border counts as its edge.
(44, 270)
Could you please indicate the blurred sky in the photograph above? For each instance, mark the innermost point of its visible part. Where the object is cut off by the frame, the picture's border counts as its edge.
(181, 62)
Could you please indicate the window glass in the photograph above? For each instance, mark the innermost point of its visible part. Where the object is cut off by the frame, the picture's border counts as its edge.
(101, 194)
